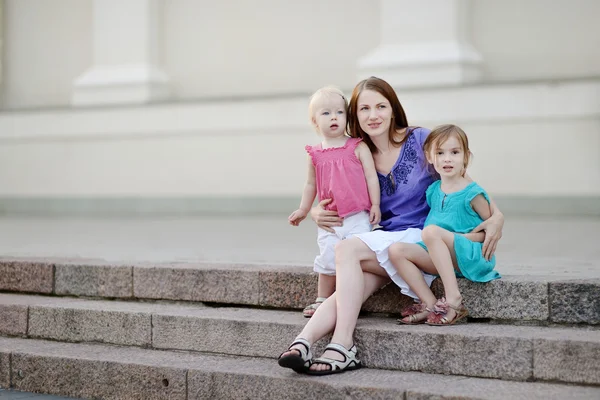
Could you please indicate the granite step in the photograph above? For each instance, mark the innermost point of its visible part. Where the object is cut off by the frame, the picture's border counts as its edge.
(508, 352)
(530, 299)
(123, 373)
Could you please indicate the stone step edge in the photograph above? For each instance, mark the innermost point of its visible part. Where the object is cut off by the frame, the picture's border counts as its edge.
(277, 286)
(111, 372)
(483, 350)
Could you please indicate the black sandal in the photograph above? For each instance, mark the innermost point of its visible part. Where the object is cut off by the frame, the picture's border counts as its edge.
(299, 362)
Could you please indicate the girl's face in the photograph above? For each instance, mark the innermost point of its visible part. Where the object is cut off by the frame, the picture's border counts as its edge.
(448, 158)
(330, 117)
(374, 113)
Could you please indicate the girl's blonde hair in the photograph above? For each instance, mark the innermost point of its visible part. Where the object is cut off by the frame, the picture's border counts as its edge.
(325, 92)
(440, 134)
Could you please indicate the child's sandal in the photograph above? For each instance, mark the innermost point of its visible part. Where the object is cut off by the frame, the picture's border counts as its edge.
(309, 310)
(412, 309)
(417, 314)
(438, 317)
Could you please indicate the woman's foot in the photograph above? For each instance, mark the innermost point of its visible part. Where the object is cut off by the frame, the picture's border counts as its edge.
(330, 354)
(335, 359)
(298, 356)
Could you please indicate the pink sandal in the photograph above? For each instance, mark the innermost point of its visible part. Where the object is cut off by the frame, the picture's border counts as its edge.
(415, 313)
(438, 316)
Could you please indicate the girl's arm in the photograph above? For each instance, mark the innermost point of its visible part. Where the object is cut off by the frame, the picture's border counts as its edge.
(492, 227)
(366, 159)
(308, 196)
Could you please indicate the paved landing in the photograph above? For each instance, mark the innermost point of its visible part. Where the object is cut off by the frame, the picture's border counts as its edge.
(556, 247)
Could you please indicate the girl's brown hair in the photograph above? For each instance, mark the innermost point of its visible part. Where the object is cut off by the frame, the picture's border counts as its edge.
(399, 120)
(440, 134)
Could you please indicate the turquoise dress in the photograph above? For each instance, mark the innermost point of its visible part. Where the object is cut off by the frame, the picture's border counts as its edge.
(454, 213)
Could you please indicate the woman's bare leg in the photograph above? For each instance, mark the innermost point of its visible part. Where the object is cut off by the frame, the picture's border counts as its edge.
(353, 286)
(324, 319)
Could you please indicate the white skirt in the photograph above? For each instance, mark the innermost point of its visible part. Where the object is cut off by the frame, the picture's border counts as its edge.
(379, 241)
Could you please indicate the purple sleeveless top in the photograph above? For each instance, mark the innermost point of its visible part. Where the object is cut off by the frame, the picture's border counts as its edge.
(403, 202)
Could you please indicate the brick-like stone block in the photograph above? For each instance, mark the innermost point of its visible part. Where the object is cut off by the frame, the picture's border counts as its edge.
(227, 386)
(576, 301)
(478, 389)
(91, 379)
(217, 284)
(509, 298)
(257, 379)
(94, 280)
(13, 319)
(567, 361)
(456, 352)
(291, 288)
(387, 300)
(4, 370)
(88, 325)
(246, 334)
(32, 277)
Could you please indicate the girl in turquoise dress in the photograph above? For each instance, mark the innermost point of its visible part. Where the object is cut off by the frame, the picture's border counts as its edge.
(448, 248)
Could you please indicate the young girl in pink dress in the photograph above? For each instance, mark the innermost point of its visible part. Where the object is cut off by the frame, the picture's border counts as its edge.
(340, 168)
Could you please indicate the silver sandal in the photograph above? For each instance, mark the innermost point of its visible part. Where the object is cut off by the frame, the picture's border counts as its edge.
(310, 309)
(349, 363)
(298, 362)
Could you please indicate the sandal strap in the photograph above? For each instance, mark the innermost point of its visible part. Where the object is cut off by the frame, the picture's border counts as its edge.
(349, 357)
(348, 354)
(320, 299)
(304, 352)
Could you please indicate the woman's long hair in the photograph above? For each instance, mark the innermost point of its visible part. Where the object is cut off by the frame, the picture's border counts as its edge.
(399, 120)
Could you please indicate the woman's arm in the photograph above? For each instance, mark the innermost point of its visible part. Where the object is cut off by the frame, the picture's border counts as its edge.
(308, 197)
(366, 159)
(325, 219)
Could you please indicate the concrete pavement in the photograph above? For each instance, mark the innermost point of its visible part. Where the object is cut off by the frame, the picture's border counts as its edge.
(561, 247)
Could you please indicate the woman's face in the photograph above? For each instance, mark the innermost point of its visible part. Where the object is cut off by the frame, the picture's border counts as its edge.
(374, 113)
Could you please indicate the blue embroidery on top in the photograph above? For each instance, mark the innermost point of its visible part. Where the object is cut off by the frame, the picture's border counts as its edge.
(400, 172)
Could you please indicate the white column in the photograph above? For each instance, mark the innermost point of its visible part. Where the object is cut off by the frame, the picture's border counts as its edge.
(424, 43)
(126, 48)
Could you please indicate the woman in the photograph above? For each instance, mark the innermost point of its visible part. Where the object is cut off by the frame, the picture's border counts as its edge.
(362, 262)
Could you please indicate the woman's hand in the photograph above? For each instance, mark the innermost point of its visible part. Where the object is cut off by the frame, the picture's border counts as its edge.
(493, 232)
(325, 219)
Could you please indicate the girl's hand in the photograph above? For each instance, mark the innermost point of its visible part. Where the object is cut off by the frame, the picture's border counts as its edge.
(375, 215)
(493, 232)
(296, 217)
(325, 219)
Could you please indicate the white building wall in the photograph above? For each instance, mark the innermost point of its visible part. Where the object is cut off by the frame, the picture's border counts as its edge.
(46, 46)
(238, 48)
(245, 70)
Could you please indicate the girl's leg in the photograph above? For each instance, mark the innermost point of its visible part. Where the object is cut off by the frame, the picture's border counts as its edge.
(440, 244)
(410, 259)
(326, 285)
(353, 287)
(325, 288)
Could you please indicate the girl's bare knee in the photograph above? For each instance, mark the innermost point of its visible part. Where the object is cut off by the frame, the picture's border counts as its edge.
(431, 233)
(398, 251)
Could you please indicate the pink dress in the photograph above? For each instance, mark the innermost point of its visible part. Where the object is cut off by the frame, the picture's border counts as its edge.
(340, 177)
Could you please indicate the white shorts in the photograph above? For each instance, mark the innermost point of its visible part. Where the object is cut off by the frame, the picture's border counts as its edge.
(380, 241)
(353, 224)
